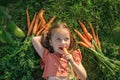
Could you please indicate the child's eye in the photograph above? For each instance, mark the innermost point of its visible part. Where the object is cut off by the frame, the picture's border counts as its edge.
(66, 39)
(58, 39)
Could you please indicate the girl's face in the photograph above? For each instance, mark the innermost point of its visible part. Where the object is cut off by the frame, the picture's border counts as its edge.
(60, 38)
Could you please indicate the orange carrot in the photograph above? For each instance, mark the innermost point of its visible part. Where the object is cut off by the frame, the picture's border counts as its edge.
(42, 22)
(65, 51)
(28, 18)
(31, 25)
(46, 26)
(35, 28)
(85, 30)
(83, 44)
(98, 42)
(39, 25)
(82, 38)
(93, 32)
(41, 30)
(85, 37)
(49, 23)
(40, 14)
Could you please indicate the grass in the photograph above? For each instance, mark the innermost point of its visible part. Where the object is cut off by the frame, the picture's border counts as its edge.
(103, 14)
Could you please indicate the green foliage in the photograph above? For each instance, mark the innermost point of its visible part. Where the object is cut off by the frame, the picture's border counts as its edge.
(19, 61)
(8, 27)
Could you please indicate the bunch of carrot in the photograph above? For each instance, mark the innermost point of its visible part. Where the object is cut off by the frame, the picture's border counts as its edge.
(91, 42)
(38, 24)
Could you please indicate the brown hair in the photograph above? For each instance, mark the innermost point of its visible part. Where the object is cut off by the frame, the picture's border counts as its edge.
(47, 36)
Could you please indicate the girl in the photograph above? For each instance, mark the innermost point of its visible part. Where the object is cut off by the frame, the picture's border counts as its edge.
(50, 48)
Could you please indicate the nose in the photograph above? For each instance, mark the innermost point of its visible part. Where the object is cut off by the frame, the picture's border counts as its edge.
(63, 41)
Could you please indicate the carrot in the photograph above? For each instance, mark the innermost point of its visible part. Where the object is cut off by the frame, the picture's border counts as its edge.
(83, 44)
(65, 51)
(42, 22)
(40, 14)
(40, 31)
(98, 42)
(49, 23)
(82, 38)
(35, 28)
(85, 37)
(28, 18)
(31, 25)
(89, 36)
(93, 32)
(46, 26)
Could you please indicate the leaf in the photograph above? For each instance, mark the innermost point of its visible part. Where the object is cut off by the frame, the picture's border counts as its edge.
(3, 13)
(5, 37)
(14, 29)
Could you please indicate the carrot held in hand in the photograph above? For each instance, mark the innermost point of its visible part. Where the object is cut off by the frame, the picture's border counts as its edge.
(71, 74)
(65, 51)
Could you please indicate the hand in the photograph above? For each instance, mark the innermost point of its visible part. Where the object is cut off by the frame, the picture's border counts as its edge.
(68, 57)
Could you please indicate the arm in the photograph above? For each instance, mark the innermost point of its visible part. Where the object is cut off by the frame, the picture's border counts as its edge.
(37, 45)
(78, 68)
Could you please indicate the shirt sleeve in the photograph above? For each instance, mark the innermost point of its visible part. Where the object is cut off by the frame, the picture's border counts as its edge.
(45, 53)
(77, 56)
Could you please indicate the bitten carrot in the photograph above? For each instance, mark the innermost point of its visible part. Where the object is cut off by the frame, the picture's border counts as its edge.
(83, 44)
(28, 18)
(89, 36)
(65, 51)
(82, 38)
(31, 25)
(93, 32)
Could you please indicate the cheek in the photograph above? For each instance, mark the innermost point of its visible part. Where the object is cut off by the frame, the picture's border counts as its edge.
(69, 43)
(52, 43)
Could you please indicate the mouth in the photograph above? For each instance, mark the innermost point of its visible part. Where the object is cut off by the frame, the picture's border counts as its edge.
(61, 48)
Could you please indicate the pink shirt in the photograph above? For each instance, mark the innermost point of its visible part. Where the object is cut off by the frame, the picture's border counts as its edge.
(56, 65)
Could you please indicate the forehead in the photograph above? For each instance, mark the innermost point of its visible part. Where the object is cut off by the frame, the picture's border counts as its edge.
(61, 32)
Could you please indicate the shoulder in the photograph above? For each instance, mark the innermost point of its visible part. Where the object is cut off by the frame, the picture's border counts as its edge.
(77, 55)
(45, 52)
(77, 51)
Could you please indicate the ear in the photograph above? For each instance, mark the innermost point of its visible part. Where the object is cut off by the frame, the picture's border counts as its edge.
(50, 42)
